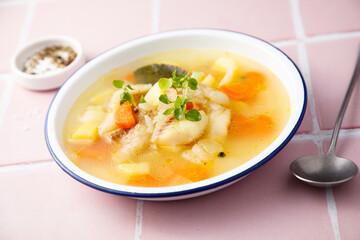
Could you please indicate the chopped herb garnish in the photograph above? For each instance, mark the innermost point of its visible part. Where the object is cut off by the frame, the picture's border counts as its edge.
(142, 99)
(165, 83)
(125, 95)
(180, 82)
(118, 83)
(193, 115)
(164, 98)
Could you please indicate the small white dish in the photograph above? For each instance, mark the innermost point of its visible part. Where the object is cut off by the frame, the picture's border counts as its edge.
(50, 79)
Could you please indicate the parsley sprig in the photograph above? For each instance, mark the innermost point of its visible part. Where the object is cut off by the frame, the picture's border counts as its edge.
(126, 96)
(180, 82)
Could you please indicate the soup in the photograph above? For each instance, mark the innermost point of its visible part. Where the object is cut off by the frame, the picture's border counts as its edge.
(175, 117)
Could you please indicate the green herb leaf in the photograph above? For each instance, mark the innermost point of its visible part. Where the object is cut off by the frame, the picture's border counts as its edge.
(193, 115)
(178, 102)
(178, 113)
(129, 87)
(193, 83)
(118, 83)
(126, 96)
(142, 99)
(177, 85)
(165, 83)
(174, 74)
(187, 100)
(169, 111)
(164, 98)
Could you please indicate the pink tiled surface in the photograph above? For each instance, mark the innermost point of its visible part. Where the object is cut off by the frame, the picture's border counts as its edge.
(108, 22)
(242, 16)
(263, 205)
(330, 16)
(10, 33)
(42, 202)
(331, 66)
(23, 125)
(39, 201)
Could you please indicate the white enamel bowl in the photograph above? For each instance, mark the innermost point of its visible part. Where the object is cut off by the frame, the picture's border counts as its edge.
(241, 44)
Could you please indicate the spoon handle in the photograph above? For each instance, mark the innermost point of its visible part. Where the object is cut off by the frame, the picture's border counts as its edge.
(344, 105)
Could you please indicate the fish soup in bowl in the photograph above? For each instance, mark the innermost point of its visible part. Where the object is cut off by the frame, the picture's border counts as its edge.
(175, 122)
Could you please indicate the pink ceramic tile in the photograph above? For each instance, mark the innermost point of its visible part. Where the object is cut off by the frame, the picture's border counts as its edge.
(307, 123)
(331, 67)
(11, 22)
(268, 204)
(42, 202)
(330, 16)
(264, 19)
(98, 25)
(22, 130)
(347, 196)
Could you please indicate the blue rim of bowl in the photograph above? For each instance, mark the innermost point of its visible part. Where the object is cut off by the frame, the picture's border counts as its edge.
(192, 190)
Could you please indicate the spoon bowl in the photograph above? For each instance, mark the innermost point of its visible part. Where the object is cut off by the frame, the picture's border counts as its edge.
(323, 170)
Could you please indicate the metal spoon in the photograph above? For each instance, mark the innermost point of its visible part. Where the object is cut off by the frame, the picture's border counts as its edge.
(328, 170)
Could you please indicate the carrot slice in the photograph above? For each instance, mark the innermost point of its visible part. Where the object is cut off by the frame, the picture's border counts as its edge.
(124, 116)
(146, 180)
(256, 126)
(130, 78)
(98, 150)
(253, 82)
(194, 172)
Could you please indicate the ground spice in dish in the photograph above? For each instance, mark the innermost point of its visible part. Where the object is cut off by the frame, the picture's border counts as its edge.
(48, 59)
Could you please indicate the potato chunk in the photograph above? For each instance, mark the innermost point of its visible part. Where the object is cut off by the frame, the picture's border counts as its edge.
(152, 96)
(210, 81)
(223, 64)
(93, 114)
(133, 171)
(86, 131)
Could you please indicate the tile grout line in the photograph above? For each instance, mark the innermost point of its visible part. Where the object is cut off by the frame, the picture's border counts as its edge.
(26, 165)
(139, 218)
(332, 36)
(333, 212)
(304, 63)
(325, 134)
(316, 38)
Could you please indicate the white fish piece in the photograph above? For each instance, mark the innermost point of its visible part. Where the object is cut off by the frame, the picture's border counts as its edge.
(108, 124)
(197, 154)
(178, 132)
(132, 143)
(210, 145)
(214, 96)
(219, 120)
